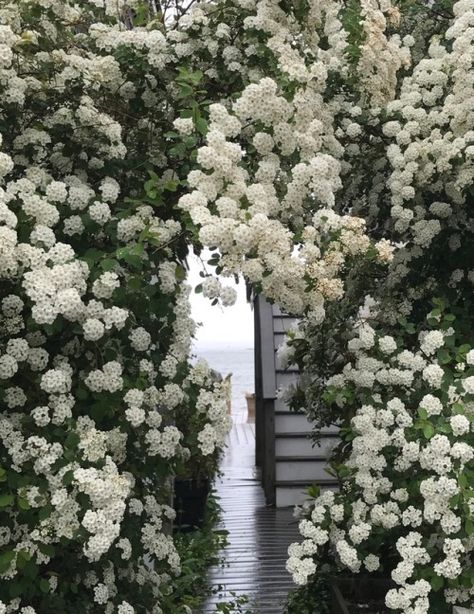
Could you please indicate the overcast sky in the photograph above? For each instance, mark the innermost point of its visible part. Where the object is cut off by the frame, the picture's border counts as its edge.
(222, 327)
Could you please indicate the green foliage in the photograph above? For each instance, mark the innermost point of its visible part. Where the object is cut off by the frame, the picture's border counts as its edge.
(198, 550)
(314, 597)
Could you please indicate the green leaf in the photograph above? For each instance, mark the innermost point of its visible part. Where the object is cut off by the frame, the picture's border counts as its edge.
(47, 549)
(108, 264)
(180, 273)
(22, 559)
(43, 514)
(44, 586)
(31, 569)
(72, 440)
(201, 126)
(437, 582)
(68, 477)
(93, 255)
(82, 393)
(423, 413)
(444, 356)
(428, 430)
(5, 559)
(469, 526)
(6, 500)
(171, 185)
(185, 90)
(16, 589)
(23, 504)
(454, 501)
(313, 491)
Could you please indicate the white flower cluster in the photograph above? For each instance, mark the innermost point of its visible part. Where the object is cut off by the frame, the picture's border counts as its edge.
(408, 469)
(212, 404)
(248, 221)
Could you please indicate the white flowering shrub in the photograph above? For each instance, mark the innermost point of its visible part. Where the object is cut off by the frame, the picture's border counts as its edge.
(323, 150)
(407, 172)
(94, 315)
(203, 420)
(405, 507)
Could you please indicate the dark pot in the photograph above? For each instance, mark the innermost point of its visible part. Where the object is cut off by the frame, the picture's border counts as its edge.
(357, 595)
(190, 498)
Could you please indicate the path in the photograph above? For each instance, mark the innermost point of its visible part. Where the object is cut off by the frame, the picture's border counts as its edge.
(258, 535)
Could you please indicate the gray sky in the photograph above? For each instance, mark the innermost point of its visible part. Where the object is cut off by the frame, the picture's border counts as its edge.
(222, 327)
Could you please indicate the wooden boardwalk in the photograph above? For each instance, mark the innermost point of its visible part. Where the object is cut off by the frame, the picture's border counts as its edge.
(254, 560)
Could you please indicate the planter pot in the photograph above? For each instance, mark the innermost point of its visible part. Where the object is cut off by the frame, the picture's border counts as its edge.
(357, 595)
(250, 397)
(190, 498)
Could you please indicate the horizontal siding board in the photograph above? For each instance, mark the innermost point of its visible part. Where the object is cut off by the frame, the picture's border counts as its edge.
(303, 446)
(311, 470)
(280, 405)
(283, 325)
(286, 379)
(293, 423)
(277, 311)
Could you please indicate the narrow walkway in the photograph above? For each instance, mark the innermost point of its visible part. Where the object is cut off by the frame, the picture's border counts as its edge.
(254, 560)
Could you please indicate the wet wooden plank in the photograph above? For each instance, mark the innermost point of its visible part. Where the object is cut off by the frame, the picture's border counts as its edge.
(255, 557)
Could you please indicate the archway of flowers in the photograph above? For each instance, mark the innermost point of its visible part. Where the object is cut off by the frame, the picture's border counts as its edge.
(131, 131)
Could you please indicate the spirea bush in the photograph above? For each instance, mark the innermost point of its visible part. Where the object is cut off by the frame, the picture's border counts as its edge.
(94, 324)
(396, 383)
(405, 509)
(324, 151)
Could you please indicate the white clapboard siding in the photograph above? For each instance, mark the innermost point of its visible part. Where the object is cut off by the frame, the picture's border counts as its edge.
(285, 379)
(289, 422)
(294, 422)
(291, 469)
(298, 461)
(291, 461)
(299, 445)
